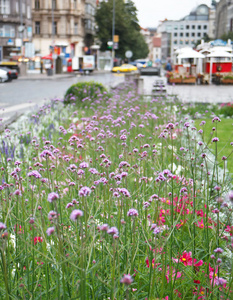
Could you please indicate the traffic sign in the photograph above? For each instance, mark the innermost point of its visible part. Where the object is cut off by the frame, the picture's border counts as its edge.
(128, 54)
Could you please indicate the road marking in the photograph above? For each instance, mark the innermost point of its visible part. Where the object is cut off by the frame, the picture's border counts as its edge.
(16, 107)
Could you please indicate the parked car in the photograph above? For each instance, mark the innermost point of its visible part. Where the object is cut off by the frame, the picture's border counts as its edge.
(150, 71)
(10, 64)
(3, 76)
(12, 73)
(124, 68)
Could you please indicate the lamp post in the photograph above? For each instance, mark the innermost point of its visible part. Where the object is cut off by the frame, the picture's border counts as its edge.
(113, 32)
(21, 25)
(53, 34)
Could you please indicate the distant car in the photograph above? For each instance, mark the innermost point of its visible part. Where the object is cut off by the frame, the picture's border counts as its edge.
(124, 68)
(150, 71)
(3, 76)
(12, 73)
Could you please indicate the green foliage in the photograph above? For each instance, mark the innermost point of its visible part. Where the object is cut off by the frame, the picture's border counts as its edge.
(205, 38)
(226, 110)
(200, 110)
(224, 129)
(228, 77)
(226, 36)
(126, 26)
(84, 90)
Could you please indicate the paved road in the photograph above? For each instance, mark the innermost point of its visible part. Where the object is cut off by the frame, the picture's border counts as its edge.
(194, 93)
(22, 95)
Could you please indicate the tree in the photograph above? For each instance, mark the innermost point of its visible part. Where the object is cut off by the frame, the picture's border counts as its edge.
(227, 36)
(126, 26)
(206, 39)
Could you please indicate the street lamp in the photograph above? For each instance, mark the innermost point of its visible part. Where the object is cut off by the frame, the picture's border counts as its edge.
(113, 31)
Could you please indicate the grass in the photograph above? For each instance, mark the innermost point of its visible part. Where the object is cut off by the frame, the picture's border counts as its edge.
(114, 201)
(225, 134)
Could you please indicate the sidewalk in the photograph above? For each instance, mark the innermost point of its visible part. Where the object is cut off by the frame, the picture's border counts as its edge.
(44, 76)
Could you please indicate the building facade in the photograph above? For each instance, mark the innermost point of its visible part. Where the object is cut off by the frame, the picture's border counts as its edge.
(90, 8)
(15, 27)
(157, 48)
(224, 17)
(185, 32)
(59, 27)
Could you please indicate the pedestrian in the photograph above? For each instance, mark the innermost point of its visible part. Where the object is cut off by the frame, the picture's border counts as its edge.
(41, 66)
(168, 67)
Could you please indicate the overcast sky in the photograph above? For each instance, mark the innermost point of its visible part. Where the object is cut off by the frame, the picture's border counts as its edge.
(150, 12)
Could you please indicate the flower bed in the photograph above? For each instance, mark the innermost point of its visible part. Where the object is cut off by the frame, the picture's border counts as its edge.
(121, 199)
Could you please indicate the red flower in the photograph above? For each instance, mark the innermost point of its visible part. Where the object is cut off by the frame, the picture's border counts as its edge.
(181, 223)
(153, 264)
(200, 224)
(186, 258)
(37, 239)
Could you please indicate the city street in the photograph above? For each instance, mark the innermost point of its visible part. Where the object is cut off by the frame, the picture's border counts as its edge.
(194, 93)
(20, 95)
(23, 95)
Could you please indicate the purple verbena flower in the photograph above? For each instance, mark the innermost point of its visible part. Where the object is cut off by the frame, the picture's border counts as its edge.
(75, 214)
(2, 226)
(113, 231)
(50, 231)
(218, 250)
(84, 191)
(132, 212)
(52, 197)
(127, 279)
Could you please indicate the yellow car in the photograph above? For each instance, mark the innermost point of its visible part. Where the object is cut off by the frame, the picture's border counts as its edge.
(124, 68)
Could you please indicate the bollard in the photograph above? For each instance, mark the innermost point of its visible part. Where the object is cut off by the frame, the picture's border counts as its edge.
(139, 82)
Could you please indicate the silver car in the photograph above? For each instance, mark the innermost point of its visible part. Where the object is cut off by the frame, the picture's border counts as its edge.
(3, 76)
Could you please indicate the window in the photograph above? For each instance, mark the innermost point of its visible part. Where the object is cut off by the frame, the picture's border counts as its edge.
(181, 42)
(23, 8)
(7, 31)
(187, 34)
(4, 6)
(193, 33)
(199, 27)
(175, 27)
(186, 42)
(54, 29)
(205, 27)
(181, 34)
(88, 24)
(187, 26)
(75, 28)
(175, 34)
(28, 12)
(199, 34)
(193, 26)
(54, 4)
(37, 27)
(37, 4)
(175, 42)
(181, 27)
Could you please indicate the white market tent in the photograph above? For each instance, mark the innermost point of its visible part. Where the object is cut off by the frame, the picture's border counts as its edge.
(221, 48)
(218, 53)
(189, 53)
